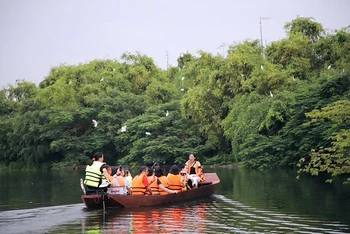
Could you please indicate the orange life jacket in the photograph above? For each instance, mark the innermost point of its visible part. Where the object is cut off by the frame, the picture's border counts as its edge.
(138, 188)
(164, 182)
(121, 181)
(118, 185)
(154, 185)
(199, 171)
(175, 182)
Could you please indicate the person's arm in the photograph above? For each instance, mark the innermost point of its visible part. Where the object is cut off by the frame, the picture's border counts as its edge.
(161, 186)
(166, 189)
(105, 173)
(147, 185)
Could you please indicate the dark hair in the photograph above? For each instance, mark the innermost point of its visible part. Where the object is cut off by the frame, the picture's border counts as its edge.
(142, 168)
(158, 171)
(174, 169)
(114, 171)
(150, 167)
(108, 167)
(98, 155)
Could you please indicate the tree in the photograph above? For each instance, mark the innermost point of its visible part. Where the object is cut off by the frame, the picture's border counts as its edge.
(307, 26)
(160, 135)
(333, 159)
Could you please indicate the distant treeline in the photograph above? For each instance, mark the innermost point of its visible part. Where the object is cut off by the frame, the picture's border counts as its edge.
(285, 104)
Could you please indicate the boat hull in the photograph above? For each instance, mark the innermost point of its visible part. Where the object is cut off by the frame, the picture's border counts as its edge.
(128, 201)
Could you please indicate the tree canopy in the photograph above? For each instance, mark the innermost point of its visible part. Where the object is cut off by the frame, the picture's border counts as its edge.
(283, 105)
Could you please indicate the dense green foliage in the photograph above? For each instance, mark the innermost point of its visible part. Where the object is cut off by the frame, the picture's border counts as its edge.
(283, 105)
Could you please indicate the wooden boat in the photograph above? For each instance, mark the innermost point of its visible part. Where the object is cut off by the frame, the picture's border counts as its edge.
(204, 189)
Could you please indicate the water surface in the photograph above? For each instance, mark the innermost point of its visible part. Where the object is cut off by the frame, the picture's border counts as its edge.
(246, 202)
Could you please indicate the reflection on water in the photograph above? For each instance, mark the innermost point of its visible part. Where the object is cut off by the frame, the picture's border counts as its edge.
(245, 202)
(171, 219)
(217, 214)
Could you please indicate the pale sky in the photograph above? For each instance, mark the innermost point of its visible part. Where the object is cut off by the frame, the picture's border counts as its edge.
(36, 35)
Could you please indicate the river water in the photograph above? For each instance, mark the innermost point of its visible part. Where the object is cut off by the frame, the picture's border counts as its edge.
(246, 202)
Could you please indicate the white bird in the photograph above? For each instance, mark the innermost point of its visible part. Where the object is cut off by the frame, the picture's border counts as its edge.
(123, 129)
(70, 82)
(182, 89)
(294, 78)
(329, 67)
(208, 90)
(271, 94)
(101, 79)
(261, 66)
(182, 78)
(113, 69)
(95, 123)
(148, 133)
(167, 113)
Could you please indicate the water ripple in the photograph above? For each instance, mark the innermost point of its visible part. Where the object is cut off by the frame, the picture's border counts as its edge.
(215, 215)
(260, 219)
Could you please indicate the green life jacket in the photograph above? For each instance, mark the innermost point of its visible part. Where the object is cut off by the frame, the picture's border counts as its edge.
(93, 175)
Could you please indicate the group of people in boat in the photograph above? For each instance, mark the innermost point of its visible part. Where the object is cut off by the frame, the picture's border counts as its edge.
(99, 178)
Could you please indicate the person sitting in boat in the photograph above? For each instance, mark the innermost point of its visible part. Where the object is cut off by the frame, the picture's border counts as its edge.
(95, 174)
(195, 171)
(160, 185)
(120, 171)
(117, 183)
(185, 177)
(128, 181)
(140, 183)
(151, 166)
(175, 180)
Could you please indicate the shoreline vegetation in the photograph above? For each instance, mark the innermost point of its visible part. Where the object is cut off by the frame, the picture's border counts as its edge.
(260, 106)
(82, 167)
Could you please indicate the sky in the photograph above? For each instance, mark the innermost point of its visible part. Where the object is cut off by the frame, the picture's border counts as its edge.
(36, 35)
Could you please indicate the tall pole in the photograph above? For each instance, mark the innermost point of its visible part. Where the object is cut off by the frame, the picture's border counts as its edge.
(261, 38)
(261, 31)
(223, 45)
(167, 63)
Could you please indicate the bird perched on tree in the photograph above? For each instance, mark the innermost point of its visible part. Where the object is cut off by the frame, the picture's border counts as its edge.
(95, 123)
(123, 129)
